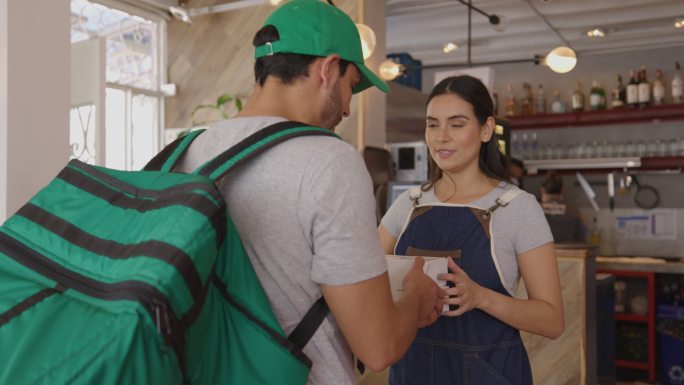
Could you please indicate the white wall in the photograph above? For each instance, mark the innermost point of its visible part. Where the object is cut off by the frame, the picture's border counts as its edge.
(374, 102)
(3, 109)
(34, 97)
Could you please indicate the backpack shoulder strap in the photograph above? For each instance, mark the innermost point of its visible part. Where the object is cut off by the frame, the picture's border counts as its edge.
(255, 144)
(306, 328)
(167, 158)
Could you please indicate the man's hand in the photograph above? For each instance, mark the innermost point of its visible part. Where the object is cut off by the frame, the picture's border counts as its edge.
(429, 293)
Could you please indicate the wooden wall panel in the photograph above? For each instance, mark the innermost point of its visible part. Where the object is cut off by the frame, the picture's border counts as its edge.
(214, 55)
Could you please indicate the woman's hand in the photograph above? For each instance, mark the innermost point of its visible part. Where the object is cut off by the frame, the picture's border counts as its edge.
(466, 294)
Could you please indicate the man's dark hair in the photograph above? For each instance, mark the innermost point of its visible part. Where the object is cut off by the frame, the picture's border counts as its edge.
(287, 67)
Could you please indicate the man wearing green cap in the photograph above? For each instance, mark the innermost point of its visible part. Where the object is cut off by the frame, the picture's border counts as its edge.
(305, 210)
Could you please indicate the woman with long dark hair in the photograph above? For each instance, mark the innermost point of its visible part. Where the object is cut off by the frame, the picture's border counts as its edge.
(492, 233)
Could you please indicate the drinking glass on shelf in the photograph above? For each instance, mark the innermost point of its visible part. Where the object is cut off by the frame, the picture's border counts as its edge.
(640, 149)
(632, 149)
(673, 147)
(590, 151)
(600, 149)
(580, 149)
(621, 148)
(609, 149)
(558, 152)
(651, 148)
(661, 147)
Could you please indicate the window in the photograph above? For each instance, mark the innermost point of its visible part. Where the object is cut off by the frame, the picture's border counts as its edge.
(116, 121)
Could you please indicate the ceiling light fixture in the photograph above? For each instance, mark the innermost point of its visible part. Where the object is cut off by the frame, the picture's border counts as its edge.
(679, 23)
(596, 32)
(499, 22)
(449, 47)
(368, 41)
(390, 70)
(561, 59)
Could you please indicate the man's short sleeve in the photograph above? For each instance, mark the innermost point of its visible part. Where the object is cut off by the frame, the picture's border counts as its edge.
(336, 202)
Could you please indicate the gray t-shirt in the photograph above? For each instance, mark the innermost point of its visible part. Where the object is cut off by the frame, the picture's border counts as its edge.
(305, 213)
(518, 227)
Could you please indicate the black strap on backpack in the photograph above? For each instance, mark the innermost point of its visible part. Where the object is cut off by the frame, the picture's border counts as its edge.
(235, 156)
(170, 154)
(306, 328)
(247, 149)
(256, 144)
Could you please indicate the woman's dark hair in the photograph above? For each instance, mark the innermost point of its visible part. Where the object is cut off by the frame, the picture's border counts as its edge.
(287, 67)
(552, 183)
(491, 161)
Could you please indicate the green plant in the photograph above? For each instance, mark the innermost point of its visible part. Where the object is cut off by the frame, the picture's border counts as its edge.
(221, 107)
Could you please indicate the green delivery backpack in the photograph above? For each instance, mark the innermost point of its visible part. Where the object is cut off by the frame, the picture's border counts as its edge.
(119, 277)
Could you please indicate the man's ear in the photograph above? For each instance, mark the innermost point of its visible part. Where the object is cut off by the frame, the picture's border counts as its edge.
(330, 70)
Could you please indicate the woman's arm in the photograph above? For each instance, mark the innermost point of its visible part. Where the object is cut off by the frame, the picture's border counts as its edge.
(541, 313)
(387, 241)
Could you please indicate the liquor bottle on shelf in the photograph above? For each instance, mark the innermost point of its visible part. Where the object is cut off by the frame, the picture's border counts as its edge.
(677, 85)
(618, 93)
(540, 101)
(644, 88)
(510, 101)
(597, 97)
(526, 100)
(577, 97)
(658, 89)
(632, 90)
(557, 106)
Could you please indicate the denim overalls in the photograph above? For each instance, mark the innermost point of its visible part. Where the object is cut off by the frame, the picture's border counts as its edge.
(474, 348)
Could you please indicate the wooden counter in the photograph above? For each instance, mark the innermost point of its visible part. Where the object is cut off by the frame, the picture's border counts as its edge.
(571, 358)
(656, 265)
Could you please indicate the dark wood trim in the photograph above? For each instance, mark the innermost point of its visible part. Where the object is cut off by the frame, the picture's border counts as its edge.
(587, 118)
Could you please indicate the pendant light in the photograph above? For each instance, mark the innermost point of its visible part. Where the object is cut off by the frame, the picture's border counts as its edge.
(561, 59)
(367, 39)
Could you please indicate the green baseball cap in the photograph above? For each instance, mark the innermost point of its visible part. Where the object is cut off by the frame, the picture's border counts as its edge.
(315, 28)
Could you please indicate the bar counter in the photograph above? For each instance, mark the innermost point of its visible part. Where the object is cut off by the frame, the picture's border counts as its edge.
(571, 358)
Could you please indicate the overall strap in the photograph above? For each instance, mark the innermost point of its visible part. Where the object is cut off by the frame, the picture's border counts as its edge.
(415, 193)
(167, 158)
(503, 200)
(255, 144)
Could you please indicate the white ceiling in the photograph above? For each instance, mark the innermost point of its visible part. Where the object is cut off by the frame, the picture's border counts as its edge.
(422, 27)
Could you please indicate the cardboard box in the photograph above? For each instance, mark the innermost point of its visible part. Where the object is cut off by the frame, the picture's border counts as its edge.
(399, 265)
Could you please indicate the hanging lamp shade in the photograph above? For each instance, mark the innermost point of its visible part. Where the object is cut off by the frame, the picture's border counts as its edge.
(561, 59)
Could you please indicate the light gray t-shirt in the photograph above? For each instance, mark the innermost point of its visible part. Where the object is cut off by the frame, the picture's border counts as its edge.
(518, 227)
(305, 213)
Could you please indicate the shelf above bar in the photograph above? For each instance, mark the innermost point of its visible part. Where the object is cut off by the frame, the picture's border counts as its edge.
(533, 166)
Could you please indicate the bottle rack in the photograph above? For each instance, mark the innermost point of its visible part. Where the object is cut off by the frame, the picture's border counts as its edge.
(648, 153)
(647, 320)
